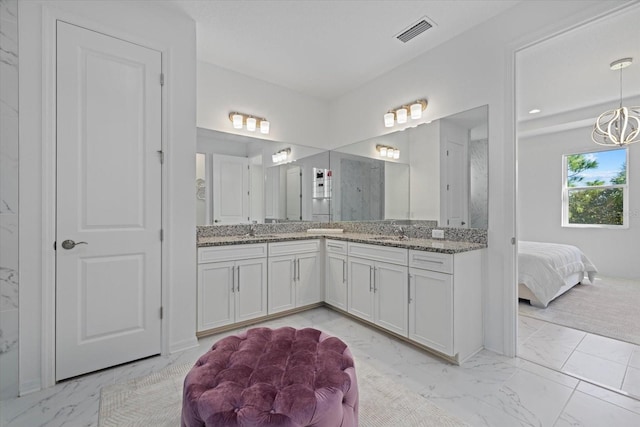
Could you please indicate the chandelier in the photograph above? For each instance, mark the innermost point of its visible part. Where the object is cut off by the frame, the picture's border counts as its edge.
(620, 126)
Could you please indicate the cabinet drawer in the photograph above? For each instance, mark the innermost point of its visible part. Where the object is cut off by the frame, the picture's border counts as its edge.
(379, 253)
(336, 247)
(294, 247)
(231, 252)
(433, 261)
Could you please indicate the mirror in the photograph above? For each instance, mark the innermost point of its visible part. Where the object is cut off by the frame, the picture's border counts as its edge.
(440, 173)
(240, 180)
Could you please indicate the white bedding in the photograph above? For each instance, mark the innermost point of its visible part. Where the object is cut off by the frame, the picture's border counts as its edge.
(543, 267)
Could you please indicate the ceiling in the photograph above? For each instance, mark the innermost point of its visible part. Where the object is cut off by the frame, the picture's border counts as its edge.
(571, 71)
(325, 48)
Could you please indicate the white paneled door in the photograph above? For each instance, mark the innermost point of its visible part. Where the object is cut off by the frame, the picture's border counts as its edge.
(230, 189)
(108, 215)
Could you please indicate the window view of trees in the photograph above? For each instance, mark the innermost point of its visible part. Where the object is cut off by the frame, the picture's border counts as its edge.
(596, 184)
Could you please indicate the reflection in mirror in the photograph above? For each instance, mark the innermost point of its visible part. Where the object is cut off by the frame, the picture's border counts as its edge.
(295, 192)
(239, 179)
(440, 173)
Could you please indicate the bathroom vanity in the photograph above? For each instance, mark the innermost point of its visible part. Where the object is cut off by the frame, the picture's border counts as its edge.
(424, 291)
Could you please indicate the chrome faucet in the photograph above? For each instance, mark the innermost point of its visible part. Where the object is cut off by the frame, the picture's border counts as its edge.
(401, 234)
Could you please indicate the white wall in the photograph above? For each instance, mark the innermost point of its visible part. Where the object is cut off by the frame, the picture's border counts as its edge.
(424, 182)
(396, 191)
(540, 203)
(149, 25)
(473, 69)
(295, 118)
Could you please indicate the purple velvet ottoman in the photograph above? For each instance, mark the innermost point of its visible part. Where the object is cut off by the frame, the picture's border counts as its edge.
(279, 377)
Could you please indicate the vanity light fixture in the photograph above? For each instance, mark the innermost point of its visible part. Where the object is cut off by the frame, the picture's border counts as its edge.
(388, 152)
(400, 114)
(252, 123)
(620, 126)
(281, 155)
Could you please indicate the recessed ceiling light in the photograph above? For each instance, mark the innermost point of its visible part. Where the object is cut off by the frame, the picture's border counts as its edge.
(534, 111)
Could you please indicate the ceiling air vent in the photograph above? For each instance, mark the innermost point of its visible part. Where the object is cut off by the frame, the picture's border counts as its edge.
(416, 29)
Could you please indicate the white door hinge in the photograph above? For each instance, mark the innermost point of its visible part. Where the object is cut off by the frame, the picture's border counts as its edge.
(161, 235)
(513, 240)
(161, 154)
(161, 312)
(161, 79)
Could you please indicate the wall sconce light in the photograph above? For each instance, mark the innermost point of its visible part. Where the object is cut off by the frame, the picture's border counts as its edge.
(252, 123)
(388, 152)
(401, 113)
(281, 155)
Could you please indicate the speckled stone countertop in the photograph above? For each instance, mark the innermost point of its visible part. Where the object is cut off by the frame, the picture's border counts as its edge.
(430, 245)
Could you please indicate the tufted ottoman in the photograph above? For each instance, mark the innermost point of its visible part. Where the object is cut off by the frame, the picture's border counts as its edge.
(279, 377)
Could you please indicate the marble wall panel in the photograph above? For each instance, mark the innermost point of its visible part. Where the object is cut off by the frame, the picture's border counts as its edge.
(9, 289)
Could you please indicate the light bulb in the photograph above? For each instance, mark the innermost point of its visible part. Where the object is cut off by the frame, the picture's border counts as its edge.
(237, 121)
(383, 151)
(396, 154)
(401, 115)
(251, 124)
(274, 157)
(388, 120)
(416, 111)
(264, 126)
(390, 152)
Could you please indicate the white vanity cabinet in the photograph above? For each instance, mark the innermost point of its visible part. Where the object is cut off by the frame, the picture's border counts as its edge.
(335, 289)
(445, 301)
(232, 284)
(377, 285)
(295, 275)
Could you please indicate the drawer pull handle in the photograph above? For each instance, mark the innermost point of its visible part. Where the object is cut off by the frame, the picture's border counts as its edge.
(334, 246)
(428, 260)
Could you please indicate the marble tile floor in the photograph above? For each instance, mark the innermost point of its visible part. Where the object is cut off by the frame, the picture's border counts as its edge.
(603, 361)
(489, 390)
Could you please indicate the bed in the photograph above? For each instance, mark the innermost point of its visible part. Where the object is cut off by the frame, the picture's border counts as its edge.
(547, 270)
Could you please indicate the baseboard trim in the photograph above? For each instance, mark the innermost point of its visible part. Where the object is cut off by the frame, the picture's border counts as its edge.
(183, 345)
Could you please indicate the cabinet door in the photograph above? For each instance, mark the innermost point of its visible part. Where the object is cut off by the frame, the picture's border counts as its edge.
(336, 281)
(281, 291)
(215, 295)
(391, 299)
(360, 285)
(308, 275)
(431, 309)
(251, 289)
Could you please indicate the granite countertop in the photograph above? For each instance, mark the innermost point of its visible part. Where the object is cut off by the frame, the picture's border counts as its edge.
(429, 245)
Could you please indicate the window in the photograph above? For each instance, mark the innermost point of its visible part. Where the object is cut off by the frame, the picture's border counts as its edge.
(595, 189)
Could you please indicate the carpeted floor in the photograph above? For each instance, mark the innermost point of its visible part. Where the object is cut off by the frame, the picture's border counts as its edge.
(608, 307)
(156, 400)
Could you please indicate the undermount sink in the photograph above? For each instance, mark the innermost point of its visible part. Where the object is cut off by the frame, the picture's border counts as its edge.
(258, 236)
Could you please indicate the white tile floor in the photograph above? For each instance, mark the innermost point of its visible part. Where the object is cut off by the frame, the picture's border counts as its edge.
(603, 361)
(489, 390)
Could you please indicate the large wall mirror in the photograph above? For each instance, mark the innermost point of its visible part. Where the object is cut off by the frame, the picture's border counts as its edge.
(435, 171)
(241, 180)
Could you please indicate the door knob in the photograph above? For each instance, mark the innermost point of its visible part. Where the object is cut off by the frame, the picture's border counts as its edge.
(70, 244)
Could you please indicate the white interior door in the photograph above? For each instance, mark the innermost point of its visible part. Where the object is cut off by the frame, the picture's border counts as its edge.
(294, 194)
(230, 189)
(108, 290)
(456, 188)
